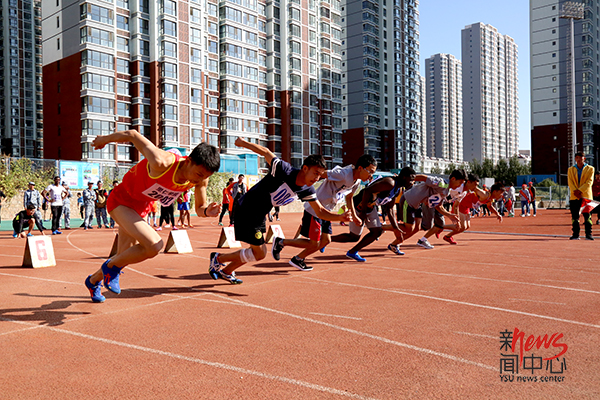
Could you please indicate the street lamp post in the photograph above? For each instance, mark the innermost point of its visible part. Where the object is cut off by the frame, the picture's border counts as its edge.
(572, 10)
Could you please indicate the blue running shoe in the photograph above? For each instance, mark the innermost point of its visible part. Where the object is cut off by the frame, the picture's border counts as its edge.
(322, 250)
(95, 290)
(215, 266)
(15, 235)
(111, 277)
(29, 234)
(58, 232)
(395, 250)
(355, 256)
(230, 278)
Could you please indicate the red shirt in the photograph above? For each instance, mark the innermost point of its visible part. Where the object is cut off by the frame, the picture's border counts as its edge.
(138, 189)
(468, 202)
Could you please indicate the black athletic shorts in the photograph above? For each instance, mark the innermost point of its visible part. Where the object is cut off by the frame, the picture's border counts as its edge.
(249, 227)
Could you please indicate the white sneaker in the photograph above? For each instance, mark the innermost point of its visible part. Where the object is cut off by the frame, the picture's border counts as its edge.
(528, 214)
(523, 215)
(425, 244)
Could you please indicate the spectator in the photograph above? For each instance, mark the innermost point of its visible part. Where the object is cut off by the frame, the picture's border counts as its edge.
(89, 201)
(66, 212)
(32, 196)
(101, 197)
(54, 194)
(227, 201)
(525, 196)
(581, 177)
(596, 194)
(80, 204)
(151, 217)
(2, 196)
(167, 215)
(26, 217)
(512, 200)
(532, 191)
(183, 205)
(238, 190)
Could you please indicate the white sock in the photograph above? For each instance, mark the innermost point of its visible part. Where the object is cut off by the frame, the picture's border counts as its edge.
(424, 238)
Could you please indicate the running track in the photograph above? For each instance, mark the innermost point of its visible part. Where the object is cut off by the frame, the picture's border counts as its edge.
(424, 326)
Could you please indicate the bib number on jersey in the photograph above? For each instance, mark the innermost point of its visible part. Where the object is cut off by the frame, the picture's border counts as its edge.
(283, 196)
(165, 196)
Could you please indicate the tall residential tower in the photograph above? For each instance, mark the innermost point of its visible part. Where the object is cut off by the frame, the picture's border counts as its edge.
(490, 94)
(382, 82)
(443, 99)
(21, 119)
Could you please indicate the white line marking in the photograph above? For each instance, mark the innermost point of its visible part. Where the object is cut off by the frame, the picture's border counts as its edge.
(336, 316)
(464, 303)
(39, 279)
(227, 367)
(367, 335)
(540, 301)
(555, 280)
(79, 248)
(488, 279)
(477, 335)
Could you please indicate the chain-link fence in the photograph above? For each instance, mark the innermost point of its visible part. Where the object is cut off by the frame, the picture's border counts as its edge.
(552, 197)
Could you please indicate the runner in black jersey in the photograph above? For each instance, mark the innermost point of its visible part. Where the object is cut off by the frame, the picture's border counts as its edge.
(282, 185)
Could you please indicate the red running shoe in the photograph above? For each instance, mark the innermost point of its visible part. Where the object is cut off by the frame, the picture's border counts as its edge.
(450, 240)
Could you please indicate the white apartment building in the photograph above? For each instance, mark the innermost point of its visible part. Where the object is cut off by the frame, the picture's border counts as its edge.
(490, 94)
(443, 106)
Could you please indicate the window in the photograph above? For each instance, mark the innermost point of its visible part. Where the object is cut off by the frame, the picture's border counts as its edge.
(169, 91)
(169, 7)
(122, 66)
(122, 22)
(123, 87)
(169, 70)
(195, 55)
(96, 13)
(196, 116)
(168, 49)
(168, 28)
(195, 15)
(122, 44)
(96, 36)
(145, 48)
(97, 82)
(123, 109)
(98, 105)
(144, 28)
(169, 112)
(169, 133)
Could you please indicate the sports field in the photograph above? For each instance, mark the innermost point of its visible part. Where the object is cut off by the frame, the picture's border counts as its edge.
(427, 325)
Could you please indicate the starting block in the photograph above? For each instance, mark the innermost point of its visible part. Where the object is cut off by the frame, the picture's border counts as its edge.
(115, 247)
(39, 252)
(178, 242)
(273, 232)
(227, 238)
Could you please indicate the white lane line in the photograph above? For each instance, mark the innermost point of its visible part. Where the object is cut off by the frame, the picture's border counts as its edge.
(464, 303)
(540, 301)
(39, 279)
(367, 335)
(56, 259)
(18, 330)
(213, 364)
(477, 335)
(556, 280)
(336, 316)
(489, 279)
(79, 248)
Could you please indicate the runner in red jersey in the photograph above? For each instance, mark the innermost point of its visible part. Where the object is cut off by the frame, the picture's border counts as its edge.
(162, 176)
(477, 196)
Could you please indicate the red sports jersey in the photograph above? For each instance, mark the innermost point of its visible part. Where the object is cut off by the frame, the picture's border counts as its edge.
(470, 201)
(138, 189)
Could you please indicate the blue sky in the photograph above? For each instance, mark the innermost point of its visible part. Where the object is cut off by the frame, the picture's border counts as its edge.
(441, 22)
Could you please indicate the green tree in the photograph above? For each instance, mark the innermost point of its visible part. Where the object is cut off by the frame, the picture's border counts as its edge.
(216, 183)
(16, 173)
(451, 167)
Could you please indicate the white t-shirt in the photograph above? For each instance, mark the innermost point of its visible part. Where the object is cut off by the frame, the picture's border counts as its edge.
(339, 183)
(55, 194)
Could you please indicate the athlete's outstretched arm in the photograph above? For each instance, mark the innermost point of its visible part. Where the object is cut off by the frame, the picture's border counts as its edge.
(257, 148)
(158, 160)
(203, 209)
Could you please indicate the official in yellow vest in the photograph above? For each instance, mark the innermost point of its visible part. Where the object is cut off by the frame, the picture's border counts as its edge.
(581, 178)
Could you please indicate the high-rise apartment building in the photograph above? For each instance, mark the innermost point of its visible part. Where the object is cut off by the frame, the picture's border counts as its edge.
(182, 72)
(382, 82)
(551, 73)
(490, 94)
(443, 102)
(21, 119)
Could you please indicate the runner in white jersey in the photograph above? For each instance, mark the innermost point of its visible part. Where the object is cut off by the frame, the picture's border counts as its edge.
(341, 183)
